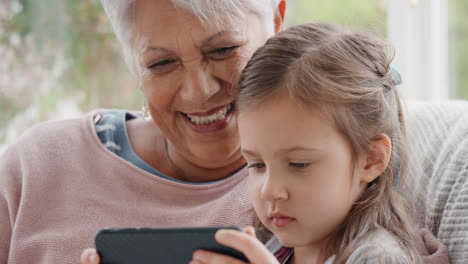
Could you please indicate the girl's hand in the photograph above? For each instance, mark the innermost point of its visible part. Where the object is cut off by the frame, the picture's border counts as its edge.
(90, 256)
(246, 243)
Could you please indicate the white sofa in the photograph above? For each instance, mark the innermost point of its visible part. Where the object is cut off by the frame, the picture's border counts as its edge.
(438, 141)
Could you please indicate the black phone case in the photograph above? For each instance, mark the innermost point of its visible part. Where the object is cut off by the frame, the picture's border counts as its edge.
(158, 245)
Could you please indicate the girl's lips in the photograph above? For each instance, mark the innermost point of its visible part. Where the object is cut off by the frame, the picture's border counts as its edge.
(280, 220)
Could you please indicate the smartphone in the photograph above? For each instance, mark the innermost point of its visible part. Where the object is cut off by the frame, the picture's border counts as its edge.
(158, 245)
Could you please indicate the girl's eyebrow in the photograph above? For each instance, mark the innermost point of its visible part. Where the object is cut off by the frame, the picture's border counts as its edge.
(248, 152)
(281, 151)
(293, 149)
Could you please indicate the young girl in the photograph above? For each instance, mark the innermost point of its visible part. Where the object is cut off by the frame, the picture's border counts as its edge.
(322, 130)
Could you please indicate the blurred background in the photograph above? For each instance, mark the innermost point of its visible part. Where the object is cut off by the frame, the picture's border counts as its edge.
(59, 58)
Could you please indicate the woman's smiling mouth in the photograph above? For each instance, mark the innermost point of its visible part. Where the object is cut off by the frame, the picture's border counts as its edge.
(207, 118)
(213, 120)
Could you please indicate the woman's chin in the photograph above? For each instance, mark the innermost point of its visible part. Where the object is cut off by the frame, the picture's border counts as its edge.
(213, 158)
(216, 150)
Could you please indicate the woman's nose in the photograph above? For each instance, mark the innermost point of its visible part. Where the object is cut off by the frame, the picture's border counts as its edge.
(199, 85)
(274, 188)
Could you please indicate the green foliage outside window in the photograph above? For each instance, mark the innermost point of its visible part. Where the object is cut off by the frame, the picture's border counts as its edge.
(359, 14)
(458, 48)
(60, 58)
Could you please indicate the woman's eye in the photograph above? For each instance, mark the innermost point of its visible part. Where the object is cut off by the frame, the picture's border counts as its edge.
(162, 64)
(256, 166)
(222, 53)
(299, 165)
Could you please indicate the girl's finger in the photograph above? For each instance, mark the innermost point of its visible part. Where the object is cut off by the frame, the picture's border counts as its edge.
(90, 256)
(250, 231)
(207, 257)
(252, 248)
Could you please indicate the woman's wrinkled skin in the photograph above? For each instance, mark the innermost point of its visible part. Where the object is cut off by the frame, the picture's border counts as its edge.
(190, 69)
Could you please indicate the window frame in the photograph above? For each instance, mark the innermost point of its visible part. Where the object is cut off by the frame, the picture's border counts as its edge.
(418, 30)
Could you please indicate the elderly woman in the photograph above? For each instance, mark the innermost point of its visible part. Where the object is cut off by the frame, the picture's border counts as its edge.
(178, 166)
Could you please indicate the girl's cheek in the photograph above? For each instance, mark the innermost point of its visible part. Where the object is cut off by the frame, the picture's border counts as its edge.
(255, 184)
(253, 188)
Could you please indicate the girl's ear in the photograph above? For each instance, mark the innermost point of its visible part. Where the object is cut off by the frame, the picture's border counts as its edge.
(376, 159)
(279, 15)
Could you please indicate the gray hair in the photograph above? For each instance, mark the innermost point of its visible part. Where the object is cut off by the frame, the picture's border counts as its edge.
(209, 12)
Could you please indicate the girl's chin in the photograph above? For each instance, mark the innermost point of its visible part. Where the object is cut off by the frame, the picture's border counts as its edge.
(287, 243)
(288, 239)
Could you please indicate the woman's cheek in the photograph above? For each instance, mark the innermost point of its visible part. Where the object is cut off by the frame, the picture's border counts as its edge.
(230, 69)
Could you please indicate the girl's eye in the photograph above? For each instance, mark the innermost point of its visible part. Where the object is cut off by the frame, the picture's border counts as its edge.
(299, 165)
(222, 53)
(256, 166)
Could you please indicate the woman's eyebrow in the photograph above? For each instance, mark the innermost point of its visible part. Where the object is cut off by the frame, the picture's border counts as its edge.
(204, 42)
(156, 49)
(218, 35)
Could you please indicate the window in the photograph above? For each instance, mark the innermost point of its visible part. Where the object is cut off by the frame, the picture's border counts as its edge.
(418, 30)
(359, 14)
(431, 39)
(60, 58)
(458, 48)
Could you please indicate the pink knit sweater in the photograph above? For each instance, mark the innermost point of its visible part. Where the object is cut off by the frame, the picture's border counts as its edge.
(59, 185)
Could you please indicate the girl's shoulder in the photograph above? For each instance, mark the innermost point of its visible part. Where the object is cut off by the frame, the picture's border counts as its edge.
(379, 247)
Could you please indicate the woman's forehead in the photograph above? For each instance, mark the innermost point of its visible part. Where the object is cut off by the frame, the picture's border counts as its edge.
(166, 10)
(160, 22)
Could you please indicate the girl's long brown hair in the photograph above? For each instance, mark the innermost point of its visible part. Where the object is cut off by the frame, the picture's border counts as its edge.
(348, 75)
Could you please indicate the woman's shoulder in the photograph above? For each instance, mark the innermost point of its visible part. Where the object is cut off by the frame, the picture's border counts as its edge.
(55, 129)
(40, 144)
(56, 133)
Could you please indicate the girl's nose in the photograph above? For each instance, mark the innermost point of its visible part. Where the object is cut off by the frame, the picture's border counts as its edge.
(274, 188)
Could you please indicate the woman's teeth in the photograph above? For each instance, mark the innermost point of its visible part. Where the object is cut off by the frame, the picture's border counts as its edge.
(203, 120)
